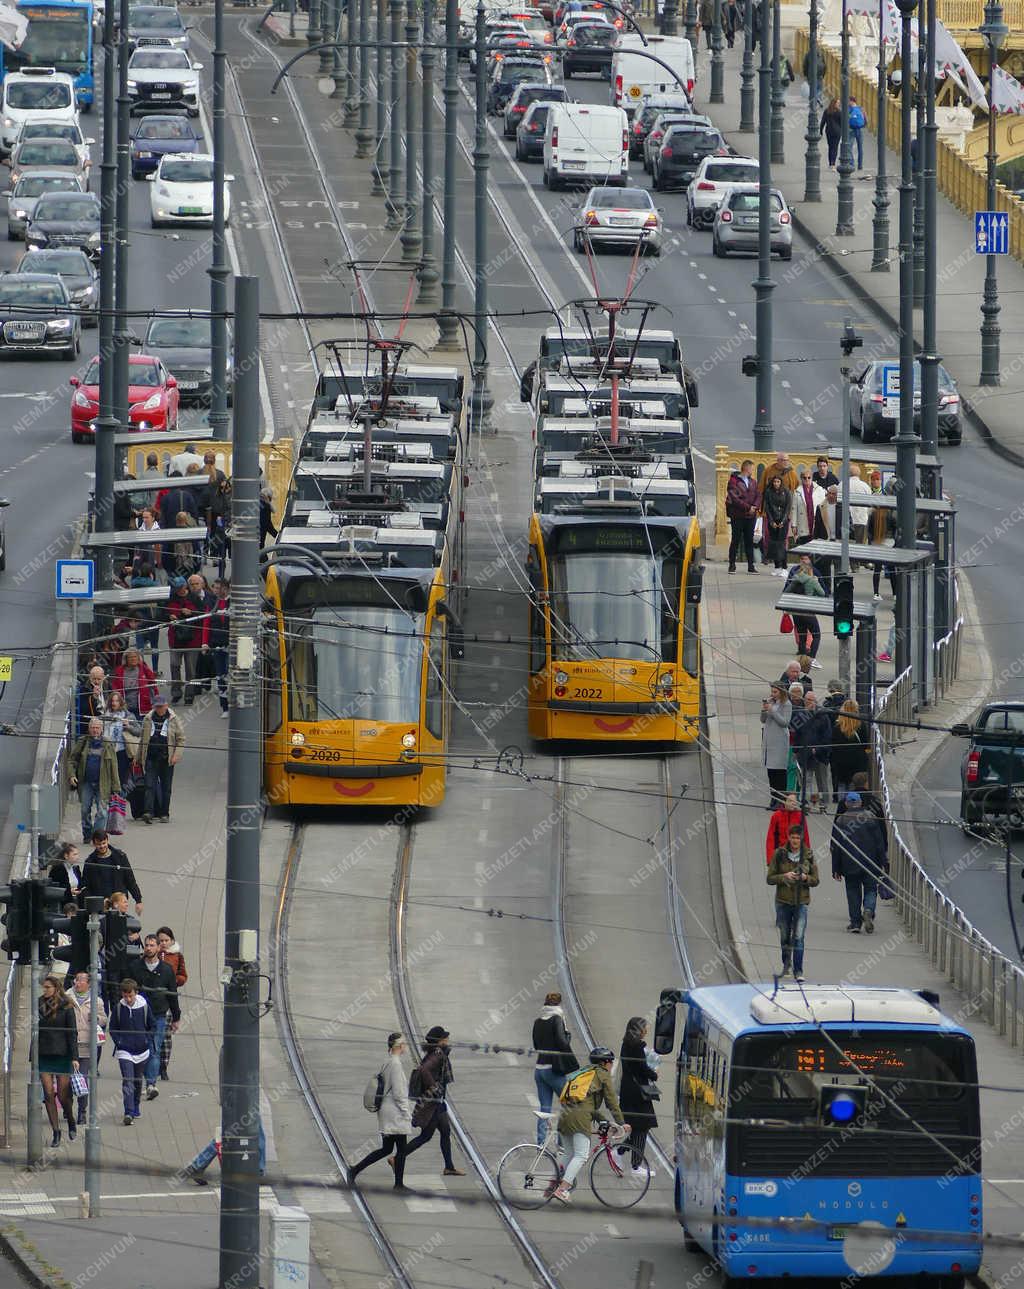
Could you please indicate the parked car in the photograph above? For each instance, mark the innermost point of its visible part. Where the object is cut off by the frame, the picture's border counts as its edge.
(156, 136)
(183, 345)
(46, 154)
(588, 48)
(22, 198)
(530, 132)
(523, 95)
(66, 219)
(152, 397)
(663, 123)
(618, 217)
(715, 178)
(36, 316)
(736, 223)
(182, 190)
(78, 273)
(69, 131)
(159, 79)
(874, 414)
(992, 772)
(683, 148)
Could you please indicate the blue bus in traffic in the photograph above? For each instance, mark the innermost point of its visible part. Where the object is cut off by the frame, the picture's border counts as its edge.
(825, 1131)
(60, 35)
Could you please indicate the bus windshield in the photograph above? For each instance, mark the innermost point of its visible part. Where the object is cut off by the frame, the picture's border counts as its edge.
(611, 597)
(56, 37)
(355, 662)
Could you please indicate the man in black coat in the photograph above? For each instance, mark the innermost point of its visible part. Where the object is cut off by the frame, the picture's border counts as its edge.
(159, 987)
(859, 858)
(107, 869)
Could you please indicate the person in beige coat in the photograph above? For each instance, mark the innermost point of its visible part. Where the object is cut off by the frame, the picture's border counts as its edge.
(394, 1117)
(79, 997)
(160, 747)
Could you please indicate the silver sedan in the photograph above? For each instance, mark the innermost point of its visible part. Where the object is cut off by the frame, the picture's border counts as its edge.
(619, 216)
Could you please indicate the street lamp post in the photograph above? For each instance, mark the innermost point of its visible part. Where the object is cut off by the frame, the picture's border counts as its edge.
(482, 401)
(328, 25)
(717, 92)
(428, 58)
(922, 75)
(218, 270)
(410, 237)
(844, 208)
(747, 71)
(447, 322)
(363, 136)
(106, 422)
(994, 31)
(778, 134)
(355, 57)
(314, 31)
(812, 162)
(380, 147)
(880, 219)
(928, 358)
(124, 183)
(396, 209)
(763, 431)
(338, 74)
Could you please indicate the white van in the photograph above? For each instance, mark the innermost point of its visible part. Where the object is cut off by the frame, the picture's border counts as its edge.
(37, 93)
(586, 143)
(635, 76)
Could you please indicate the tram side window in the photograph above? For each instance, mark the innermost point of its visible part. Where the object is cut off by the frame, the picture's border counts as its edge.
(302, 667)
(537, 649)
(272, 704)
(435, 679)
(691, 638)
(696, 1076)
(671, 572)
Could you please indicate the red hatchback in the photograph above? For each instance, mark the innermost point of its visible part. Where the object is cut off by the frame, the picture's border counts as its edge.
(152, 397)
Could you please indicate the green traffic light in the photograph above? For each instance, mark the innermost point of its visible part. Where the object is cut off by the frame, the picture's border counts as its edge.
(844, 628)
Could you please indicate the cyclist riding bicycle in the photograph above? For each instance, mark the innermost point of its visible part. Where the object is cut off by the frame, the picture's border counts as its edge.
(577, 1117)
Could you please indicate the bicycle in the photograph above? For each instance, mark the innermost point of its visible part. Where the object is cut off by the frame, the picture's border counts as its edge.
(528, 1174)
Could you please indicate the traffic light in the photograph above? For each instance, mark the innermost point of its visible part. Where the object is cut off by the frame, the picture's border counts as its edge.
(47, 911)
(75, 954)
(17, 918)
(842, 605)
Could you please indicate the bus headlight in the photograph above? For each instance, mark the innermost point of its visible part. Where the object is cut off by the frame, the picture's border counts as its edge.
(298, 738)
(561, 678)
(409, 741)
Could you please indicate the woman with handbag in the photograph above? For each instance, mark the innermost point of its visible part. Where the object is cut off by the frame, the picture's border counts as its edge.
(777, 510)
(57, 1054)
(638, 1090)
(81, 1000)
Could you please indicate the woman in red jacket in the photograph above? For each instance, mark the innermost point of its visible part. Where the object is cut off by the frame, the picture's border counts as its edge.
(788, 813)
(135, 682)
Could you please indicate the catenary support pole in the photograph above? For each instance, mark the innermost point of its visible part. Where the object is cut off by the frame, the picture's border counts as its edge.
(339, 93)
(844, 208)
(218, 270)
(880, 219)
(994, 31)
(363, 136)
(428, 257)
(922, 74)
(396, 62)
(844, 531)
(449, 328)
(778, 129)
(94, 907)
(747, 71)
(717, 94)
(329, 24)
(124, 185)
(240, 1077)
(380, 148)
(670, 21)
(314, 32)
(106, 421)
(410, 237)
(929, 358)
(34, 1120)
(812, 158)
(764, 434)
(482, 401)
(354, 57)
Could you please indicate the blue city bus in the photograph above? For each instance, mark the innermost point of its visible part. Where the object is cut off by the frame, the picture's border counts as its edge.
(825, 1131)
(59, 36)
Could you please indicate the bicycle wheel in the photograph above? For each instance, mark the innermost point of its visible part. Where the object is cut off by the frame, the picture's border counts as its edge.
(527, 1175)
(615, 1182)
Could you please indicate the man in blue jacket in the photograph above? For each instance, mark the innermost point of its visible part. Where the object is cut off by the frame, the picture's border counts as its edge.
(859, 857)
(132, 1032)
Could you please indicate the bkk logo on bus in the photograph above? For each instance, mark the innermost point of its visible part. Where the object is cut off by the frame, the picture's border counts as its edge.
(770, 1189)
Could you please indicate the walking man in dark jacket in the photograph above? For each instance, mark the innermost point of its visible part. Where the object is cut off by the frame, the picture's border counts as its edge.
(555, 1061)
(159, 987)
(107, 869)
(859, 856)
(741, 502)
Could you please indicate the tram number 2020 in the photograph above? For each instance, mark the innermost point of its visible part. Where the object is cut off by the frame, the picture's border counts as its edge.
(324, 754)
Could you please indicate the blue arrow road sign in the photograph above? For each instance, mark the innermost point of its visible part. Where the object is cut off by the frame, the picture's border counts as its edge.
(991, 232)
(890, 381)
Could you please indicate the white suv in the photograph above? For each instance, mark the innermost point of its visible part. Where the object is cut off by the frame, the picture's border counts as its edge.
(37, 93)
(714, 180)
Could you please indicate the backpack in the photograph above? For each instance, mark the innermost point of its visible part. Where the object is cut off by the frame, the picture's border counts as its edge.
(416, 1084)
(857, 117)
(577, 1086)
(373, 1093)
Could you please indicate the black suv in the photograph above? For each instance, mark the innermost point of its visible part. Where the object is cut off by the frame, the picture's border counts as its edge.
(37, 317)
(683, 149)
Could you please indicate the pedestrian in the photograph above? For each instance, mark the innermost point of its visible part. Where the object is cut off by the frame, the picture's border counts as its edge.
(182, 641)
(157, 984)
(732, 19)
(859, 514)
(814, 750)
(742, 501)
(857, 124)
(428, 1086)
(92, 769)
(823, 474)
(131, 1030)
(777, 511)
(170, 952)
(180, 462)
(835, 697)
(826, 517)
(869, 799)
(169, 504)
(219, 521)
(796, 675)
(121, 730)
(267, 528)
(160, 749)
(93, 695)
(152, 471)
(186, 557)
(57, 1054)
(806, 630)
(217, 637)
(147, 635)
(820, 61)
(202, 602)
(859, 859)
(555, 1061)
(67, 873)
(80, 998)
(849, 750)
(788, 814)
(776, 712)
(832, 128)
(809, 496)
(638, 1088)
(575, 1123)
(394, 1115)
(784, 468)
(793, 871)
(796, 724)
(107, 869)
(135, 682)
(212, 1150)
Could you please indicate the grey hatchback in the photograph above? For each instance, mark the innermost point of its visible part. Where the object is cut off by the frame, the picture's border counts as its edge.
(737, 222)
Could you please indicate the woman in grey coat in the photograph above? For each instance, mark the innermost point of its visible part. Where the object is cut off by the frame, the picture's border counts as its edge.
(776, 713)
(394, 1118)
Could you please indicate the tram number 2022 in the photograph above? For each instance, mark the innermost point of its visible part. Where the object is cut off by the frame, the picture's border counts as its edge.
(586, 693)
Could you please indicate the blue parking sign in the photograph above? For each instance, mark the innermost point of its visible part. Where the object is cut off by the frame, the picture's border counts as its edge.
(991, 232)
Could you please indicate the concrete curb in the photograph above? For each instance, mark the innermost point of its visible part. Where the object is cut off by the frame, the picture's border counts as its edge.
(25, 1263)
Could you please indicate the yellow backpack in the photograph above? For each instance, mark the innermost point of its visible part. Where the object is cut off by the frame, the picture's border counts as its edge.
(577, 1086)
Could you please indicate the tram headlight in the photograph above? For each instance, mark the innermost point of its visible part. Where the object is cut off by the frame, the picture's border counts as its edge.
(409, 741)
(665, 683)
(561, 678)
(298, 738)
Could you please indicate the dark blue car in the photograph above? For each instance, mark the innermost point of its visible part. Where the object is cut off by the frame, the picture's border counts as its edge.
(156, 136)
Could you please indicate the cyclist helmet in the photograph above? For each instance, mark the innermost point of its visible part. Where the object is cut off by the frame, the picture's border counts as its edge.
(601, 1054)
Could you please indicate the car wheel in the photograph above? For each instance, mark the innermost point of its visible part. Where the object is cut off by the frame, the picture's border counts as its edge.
(866, 435)
(786, 253)
(554, 183)
(954, 440)
(655, 181)
(519, 151)
(75, 438)
(136, 174)
(652, 250)
(11, 235)
(716, 248)
(968, 813)
(689, 216)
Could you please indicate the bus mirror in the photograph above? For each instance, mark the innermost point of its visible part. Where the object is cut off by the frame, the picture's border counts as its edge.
(665, 1023)
(692, 397)
(456, 641)
(694, 583)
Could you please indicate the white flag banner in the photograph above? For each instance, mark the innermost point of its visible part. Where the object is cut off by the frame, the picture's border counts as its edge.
(13, 26)
(950, 60)
(1007, 94)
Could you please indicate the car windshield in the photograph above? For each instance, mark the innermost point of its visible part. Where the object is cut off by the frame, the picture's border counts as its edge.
(622, 198)
(517, 73)
(525, 97)
(38, 95)
(748, 201)
(47, 152)
(696, 136)
(729, 172)
(56, 206)
(179, 331)
(74, 262)
(51, 130)
(187, 172)
(34, 294)
(165, 130)
(36, 185)
(150, 58)
(163, 19)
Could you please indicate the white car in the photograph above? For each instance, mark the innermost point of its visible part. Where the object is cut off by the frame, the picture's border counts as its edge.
(619, 217)
(69, 131)
(161, 79)
(36, 92)
(715, 179)
(182, 190)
